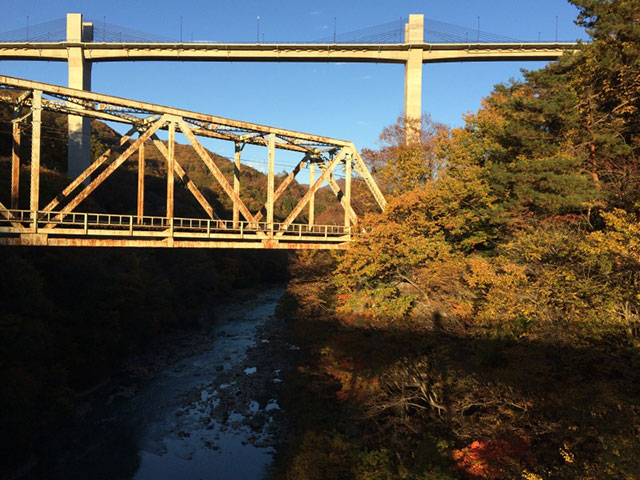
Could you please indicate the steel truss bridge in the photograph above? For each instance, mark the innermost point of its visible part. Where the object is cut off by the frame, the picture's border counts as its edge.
(59, 224)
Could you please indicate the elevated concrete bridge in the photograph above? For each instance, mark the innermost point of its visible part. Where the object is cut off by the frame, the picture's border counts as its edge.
(80, 51)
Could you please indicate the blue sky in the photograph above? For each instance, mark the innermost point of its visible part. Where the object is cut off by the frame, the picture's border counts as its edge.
(347, 101)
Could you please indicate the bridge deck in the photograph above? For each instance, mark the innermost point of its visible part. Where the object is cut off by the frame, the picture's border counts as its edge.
(24, 227)
(285, 52)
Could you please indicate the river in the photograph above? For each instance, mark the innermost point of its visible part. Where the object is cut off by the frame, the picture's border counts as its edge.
(210, 415)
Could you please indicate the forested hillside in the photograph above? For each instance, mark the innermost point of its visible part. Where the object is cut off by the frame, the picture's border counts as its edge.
(488, 324)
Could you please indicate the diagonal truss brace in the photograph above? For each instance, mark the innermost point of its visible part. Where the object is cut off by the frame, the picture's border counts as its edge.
(200, 150)
(84, 193)
(335, 188)
(84, 175)
(182, 174)
(314, 188)
(283, 186)
(4, 211)
(363, 171)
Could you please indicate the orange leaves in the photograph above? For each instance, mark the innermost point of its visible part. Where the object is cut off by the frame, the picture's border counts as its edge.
(356, 383)
(488, 458)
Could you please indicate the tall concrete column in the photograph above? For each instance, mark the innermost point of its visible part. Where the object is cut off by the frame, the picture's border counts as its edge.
(79, 154)
(414, 35)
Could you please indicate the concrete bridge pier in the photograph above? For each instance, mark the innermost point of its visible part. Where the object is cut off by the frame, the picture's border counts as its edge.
(414, 37)
(79, 128)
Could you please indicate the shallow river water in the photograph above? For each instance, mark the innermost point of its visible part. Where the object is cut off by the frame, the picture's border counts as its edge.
(213, 415)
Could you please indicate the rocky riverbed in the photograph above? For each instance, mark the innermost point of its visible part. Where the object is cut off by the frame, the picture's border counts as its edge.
(204, 407)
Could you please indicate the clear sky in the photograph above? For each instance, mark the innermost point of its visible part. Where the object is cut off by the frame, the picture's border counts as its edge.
(348, 101)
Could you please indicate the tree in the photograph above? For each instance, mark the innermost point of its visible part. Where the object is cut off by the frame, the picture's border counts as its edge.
(399, 166)
(606, 79)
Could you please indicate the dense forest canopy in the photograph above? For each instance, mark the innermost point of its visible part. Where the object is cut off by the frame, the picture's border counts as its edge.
(541, 184)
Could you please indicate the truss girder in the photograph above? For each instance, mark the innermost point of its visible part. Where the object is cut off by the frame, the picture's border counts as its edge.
(57, 223)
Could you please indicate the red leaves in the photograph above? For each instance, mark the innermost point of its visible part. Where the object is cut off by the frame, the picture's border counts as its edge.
(488, 458)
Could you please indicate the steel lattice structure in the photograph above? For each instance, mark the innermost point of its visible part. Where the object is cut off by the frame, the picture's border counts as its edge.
(59, 224)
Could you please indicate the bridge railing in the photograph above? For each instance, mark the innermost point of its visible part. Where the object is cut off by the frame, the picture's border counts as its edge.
(391, 32)
(104, 224)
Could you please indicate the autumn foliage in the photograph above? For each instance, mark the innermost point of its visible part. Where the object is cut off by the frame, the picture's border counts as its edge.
(487, 324)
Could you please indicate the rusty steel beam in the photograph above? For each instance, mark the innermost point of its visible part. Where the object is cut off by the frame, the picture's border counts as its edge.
(213, 168)
(36, 125)
(171, 167)
(236, 181)
(182, 175)
(347, 191)
(283, 186)
(140, 209)
(149, 107)
(363, 171)
(312, 197)
(84, 193)
(340, 195)
(253, 140)
(43, 240)
(134, 231)
(15, 166)
(271, 181)
(312, 190)
(69, 189)
(79, 109)
(256, 140)
(4, 211)
(59, 106)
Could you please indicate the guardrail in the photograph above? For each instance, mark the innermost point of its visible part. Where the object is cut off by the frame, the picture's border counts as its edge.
(115, 225)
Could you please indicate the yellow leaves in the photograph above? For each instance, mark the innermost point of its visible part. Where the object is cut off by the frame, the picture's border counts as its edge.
(527, 475)
(620, 239)
(566, 454)
(481, 272)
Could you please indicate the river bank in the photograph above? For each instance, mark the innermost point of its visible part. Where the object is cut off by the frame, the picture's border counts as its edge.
(198, 405)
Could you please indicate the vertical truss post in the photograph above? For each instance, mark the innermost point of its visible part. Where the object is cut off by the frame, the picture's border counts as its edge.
(347, 190)
(140, 182)
(36, 122)
(210, 164)
(312, 207)
(314, 188)
(15, 166)
(236, 182)
(171, 167)
(271, 181)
